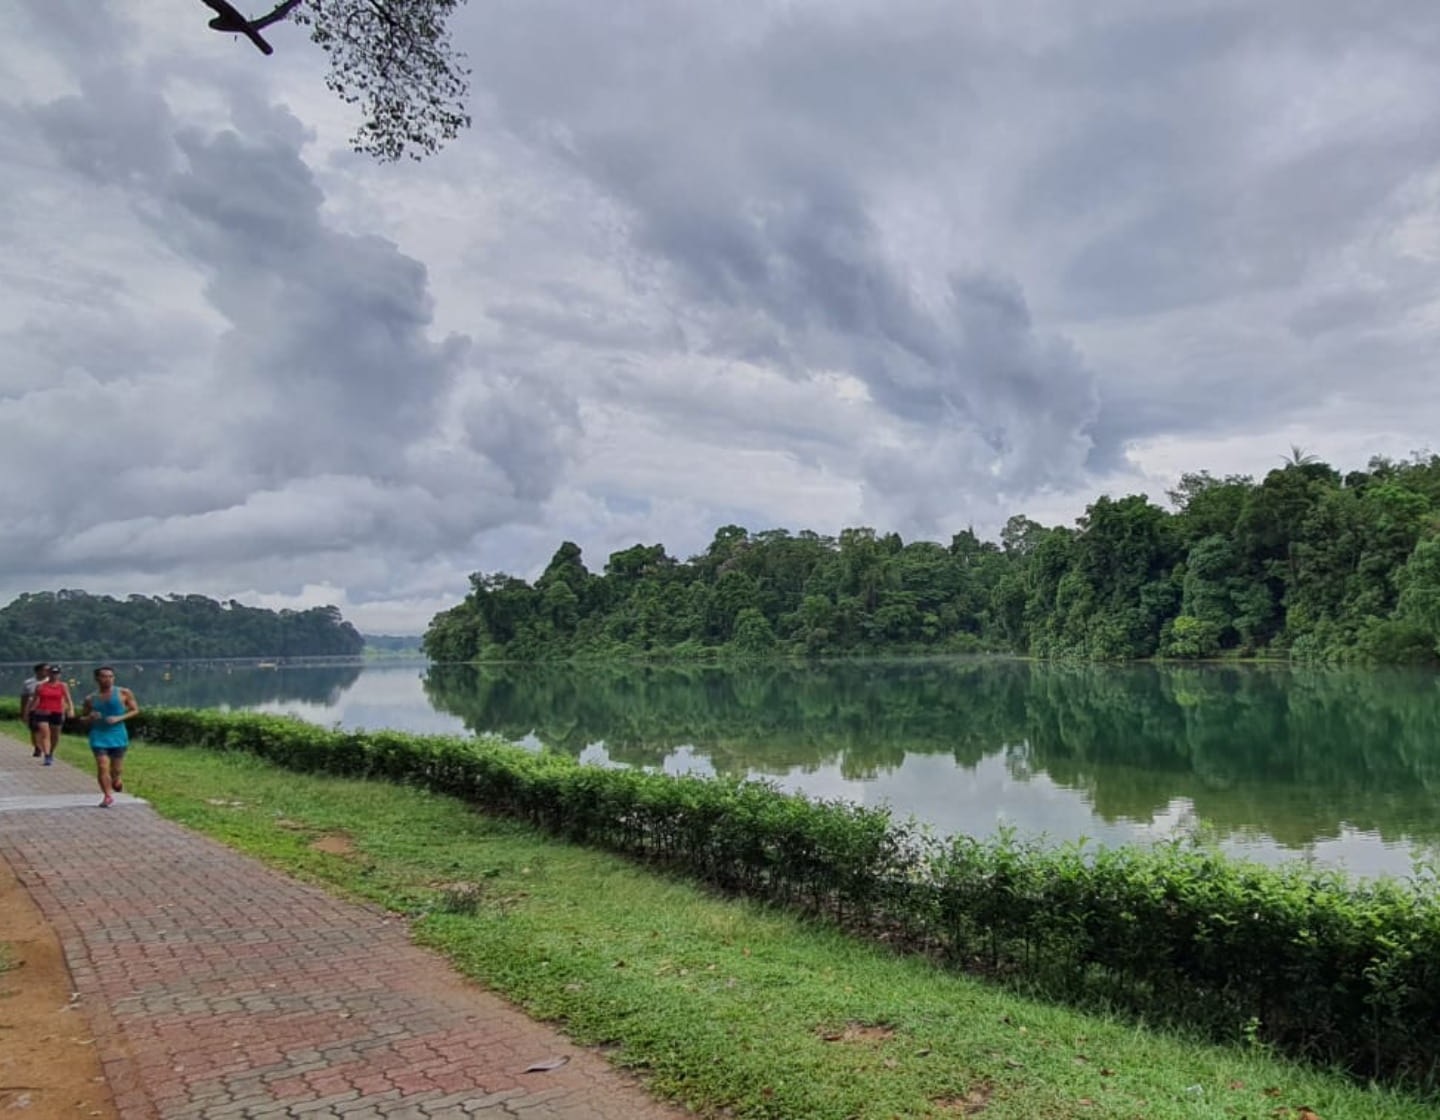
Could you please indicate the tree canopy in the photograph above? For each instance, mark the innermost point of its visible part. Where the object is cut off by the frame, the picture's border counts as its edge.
(1305, 563)
(395, 59)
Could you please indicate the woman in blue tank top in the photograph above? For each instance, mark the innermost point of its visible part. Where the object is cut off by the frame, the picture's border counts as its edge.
(107, 710)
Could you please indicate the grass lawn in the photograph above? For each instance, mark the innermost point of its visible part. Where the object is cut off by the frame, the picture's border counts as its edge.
(728, 1007)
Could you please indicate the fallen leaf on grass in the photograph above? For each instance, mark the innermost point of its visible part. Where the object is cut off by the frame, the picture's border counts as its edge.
(546, 1065)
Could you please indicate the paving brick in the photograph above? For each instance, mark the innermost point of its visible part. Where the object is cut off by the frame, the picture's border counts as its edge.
(217, 989)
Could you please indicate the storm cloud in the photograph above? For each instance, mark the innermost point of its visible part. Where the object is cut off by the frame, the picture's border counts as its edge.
(805, 265)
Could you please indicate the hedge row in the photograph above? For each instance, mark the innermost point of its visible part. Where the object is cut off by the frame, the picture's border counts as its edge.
(1318, 965)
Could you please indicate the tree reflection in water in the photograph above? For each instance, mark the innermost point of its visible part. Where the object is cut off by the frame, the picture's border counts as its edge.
(1296, 755)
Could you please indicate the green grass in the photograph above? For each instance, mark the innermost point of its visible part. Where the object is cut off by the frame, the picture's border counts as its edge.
(725, 1006)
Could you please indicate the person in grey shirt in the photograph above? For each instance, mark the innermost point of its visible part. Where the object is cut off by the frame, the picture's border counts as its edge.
(27, 697)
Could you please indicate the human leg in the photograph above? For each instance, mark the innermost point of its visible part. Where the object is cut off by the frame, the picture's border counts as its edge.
(102, 775)
(53, 722)
(117, 765)
(37, 735)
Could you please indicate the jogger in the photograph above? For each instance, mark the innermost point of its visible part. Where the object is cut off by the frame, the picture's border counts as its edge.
(107, 710)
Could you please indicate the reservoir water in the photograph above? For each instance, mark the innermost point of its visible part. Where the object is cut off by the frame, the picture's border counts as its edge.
(1341, 767)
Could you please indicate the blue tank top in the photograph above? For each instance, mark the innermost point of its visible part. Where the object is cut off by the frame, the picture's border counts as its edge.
(108, 735)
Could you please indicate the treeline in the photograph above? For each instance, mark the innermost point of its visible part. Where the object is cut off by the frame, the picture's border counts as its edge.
(391, 644)
(82, 627)
(1306, 563)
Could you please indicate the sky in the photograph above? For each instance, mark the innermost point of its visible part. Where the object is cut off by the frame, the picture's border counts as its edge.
(799, 264)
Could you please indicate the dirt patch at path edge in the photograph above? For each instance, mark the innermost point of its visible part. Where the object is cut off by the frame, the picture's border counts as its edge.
(48, 1066)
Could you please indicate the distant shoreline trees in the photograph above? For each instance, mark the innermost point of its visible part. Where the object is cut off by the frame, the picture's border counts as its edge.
(1306, 564)
(80, 626)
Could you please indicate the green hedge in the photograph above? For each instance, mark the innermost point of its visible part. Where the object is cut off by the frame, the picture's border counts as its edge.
(1321, 966)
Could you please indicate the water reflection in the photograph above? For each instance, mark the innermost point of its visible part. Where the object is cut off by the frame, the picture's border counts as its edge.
(1340, 765)
(214, 684)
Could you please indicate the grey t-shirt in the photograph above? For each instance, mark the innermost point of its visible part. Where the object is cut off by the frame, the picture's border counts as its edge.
(27, 690)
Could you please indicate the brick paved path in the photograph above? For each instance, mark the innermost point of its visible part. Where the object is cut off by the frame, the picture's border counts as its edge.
(220, 989)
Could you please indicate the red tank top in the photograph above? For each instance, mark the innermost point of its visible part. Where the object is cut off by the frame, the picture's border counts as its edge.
(49, 697)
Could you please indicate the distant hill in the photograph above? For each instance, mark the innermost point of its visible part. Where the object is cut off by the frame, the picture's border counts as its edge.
(392, 643)
(84, 627)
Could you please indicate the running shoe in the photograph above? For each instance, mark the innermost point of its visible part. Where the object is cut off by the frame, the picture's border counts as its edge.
(107, 802)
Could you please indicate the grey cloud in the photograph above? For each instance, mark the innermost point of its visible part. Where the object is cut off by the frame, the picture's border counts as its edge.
(521, 437)
(1225, 149)
(1339, 311)
(767, 221)
(572, 318)
(315, 425)
(80, 31)
(114, 131)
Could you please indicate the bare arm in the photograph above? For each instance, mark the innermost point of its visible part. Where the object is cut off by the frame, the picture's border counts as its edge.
(131, 707)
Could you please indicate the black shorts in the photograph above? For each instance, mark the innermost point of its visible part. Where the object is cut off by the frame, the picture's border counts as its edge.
(54, 719)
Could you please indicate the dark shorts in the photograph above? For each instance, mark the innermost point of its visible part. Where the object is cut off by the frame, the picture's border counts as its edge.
(112, 752)
(54, 719)
(34, 720)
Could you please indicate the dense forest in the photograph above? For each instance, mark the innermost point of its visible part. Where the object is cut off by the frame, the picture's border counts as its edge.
(1307, 563)
(84, 627)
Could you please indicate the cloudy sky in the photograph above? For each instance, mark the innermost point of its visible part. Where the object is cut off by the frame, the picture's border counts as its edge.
(791, 263)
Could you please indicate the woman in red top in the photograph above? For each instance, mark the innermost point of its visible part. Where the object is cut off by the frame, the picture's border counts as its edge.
(50, 708)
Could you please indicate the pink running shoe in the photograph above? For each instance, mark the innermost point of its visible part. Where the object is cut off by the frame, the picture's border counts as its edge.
(107, 802)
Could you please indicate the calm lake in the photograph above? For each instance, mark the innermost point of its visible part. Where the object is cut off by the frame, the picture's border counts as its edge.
(1338, 766)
